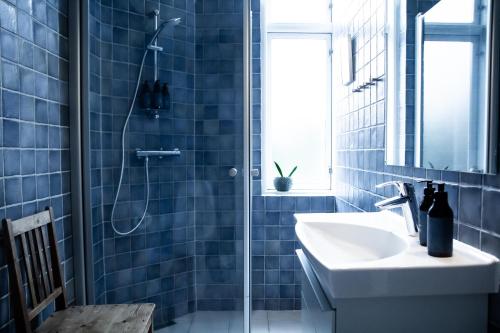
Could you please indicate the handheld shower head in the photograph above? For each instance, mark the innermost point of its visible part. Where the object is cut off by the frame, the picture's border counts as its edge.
(174, 21)
(171, 22)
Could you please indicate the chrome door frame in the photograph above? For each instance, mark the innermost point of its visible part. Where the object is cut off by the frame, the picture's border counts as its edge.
(247, 161)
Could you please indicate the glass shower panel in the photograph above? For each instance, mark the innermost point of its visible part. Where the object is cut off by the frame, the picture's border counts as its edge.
(219, 171)
(187, 256)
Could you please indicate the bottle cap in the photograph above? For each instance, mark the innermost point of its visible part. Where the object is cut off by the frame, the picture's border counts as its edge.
(440, 187)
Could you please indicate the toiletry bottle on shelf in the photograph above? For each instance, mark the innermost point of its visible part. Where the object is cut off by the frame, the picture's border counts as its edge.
(145, 96)
(165, 96)
(157, 98)
(440, 226)
(425, 205)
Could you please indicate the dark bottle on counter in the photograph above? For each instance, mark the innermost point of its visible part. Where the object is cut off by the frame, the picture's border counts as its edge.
(165, 96)
(440, 226)
(145, 98)
(426, 204)
(157, 97)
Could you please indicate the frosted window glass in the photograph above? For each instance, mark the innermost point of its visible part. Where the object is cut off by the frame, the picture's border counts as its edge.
(298, 11)
(447, 104)
(451, 11)
(298, 131)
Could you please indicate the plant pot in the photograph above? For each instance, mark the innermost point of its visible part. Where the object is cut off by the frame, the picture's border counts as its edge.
(283, 184)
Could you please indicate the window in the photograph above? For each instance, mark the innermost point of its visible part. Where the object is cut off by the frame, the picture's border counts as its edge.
(297, 92)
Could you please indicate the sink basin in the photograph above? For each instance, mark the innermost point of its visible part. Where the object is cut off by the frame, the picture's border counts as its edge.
(360, 255)
(350, 243)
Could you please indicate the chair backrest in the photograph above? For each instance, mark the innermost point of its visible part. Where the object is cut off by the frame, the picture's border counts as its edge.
(31, 249)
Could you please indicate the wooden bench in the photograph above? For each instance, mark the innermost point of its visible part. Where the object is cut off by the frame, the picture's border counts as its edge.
(35, 238)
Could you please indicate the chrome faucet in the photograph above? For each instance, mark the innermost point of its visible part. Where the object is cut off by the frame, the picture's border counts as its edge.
(406, 200)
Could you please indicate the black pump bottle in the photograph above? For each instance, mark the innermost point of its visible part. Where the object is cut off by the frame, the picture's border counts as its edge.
(145, 97)
(426, 204)
(157, 98)
(440, 226)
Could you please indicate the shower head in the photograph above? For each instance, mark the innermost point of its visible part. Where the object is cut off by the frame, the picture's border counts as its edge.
(171, 22)
(174, 21)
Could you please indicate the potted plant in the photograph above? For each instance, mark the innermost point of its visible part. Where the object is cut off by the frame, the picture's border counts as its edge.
(282, 183)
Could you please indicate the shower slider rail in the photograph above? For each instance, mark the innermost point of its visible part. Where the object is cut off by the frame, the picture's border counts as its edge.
(157, 153)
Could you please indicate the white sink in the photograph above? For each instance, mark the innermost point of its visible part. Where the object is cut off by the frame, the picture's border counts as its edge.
(347, 243)
(360, 255)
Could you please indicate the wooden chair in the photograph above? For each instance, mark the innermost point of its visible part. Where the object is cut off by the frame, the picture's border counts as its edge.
(35, 237)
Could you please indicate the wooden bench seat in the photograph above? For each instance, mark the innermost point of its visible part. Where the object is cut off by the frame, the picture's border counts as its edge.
(100, 318)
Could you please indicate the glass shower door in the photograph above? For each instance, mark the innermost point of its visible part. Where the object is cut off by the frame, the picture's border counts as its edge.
(190, 254)
(222, 141)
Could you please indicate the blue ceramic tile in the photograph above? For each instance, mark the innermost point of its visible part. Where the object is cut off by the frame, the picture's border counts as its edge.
(42, 161)
(27, 108)
(10, 133)
(24, 25)
(491, 211)
(40, 10)
(27, 162)
(8, 18)
(40, 34)
(26, 5)
(470, 205)
(13, 190)
(26, 54)
(10, 105)
(8, 42)
(12, 162)
(10, 76)
(29, 188)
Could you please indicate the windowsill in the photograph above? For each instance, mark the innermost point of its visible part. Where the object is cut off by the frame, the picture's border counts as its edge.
(299, 193)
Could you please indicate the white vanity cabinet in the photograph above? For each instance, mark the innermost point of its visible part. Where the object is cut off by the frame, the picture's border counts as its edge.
(363, 273)
(317, 315)
(412, 314)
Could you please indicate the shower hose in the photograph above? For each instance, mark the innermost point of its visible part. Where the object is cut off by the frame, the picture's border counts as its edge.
(146, 160)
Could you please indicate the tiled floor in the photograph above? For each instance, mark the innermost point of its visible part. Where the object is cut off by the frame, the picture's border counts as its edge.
(232, 322)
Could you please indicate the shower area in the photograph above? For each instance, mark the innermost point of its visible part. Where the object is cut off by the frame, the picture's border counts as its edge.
(167, 218)
(172, 202)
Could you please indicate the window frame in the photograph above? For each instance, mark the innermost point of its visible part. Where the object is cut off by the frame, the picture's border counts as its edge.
(291, 30)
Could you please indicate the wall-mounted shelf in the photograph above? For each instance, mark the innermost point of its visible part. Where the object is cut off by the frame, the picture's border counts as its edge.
(371, 82)
(157, 153)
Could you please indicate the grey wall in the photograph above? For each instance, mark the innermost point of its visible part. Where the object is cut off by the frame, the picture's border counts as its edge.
(360, 165)
(34, 126)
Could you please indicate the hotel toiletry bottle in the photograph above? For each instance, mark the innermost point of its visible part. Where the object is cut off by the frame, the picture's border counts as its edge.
(440, 225)
(145, 95)
(426, 203)
(165, 96)
(157, 98)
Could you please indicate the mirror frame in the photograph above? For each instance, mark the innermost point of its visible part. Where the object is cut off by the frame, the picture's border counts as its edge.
(396, 153)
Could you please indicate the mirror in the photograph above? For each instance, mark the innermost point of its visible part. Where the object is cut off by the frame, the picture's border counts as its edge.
(442, 90)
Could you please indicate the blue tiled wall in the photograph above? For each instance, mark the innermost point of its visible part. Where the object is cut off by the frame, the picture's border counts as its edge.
(155, 263)
(360, 146)
(276, 271)
(34, 125)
